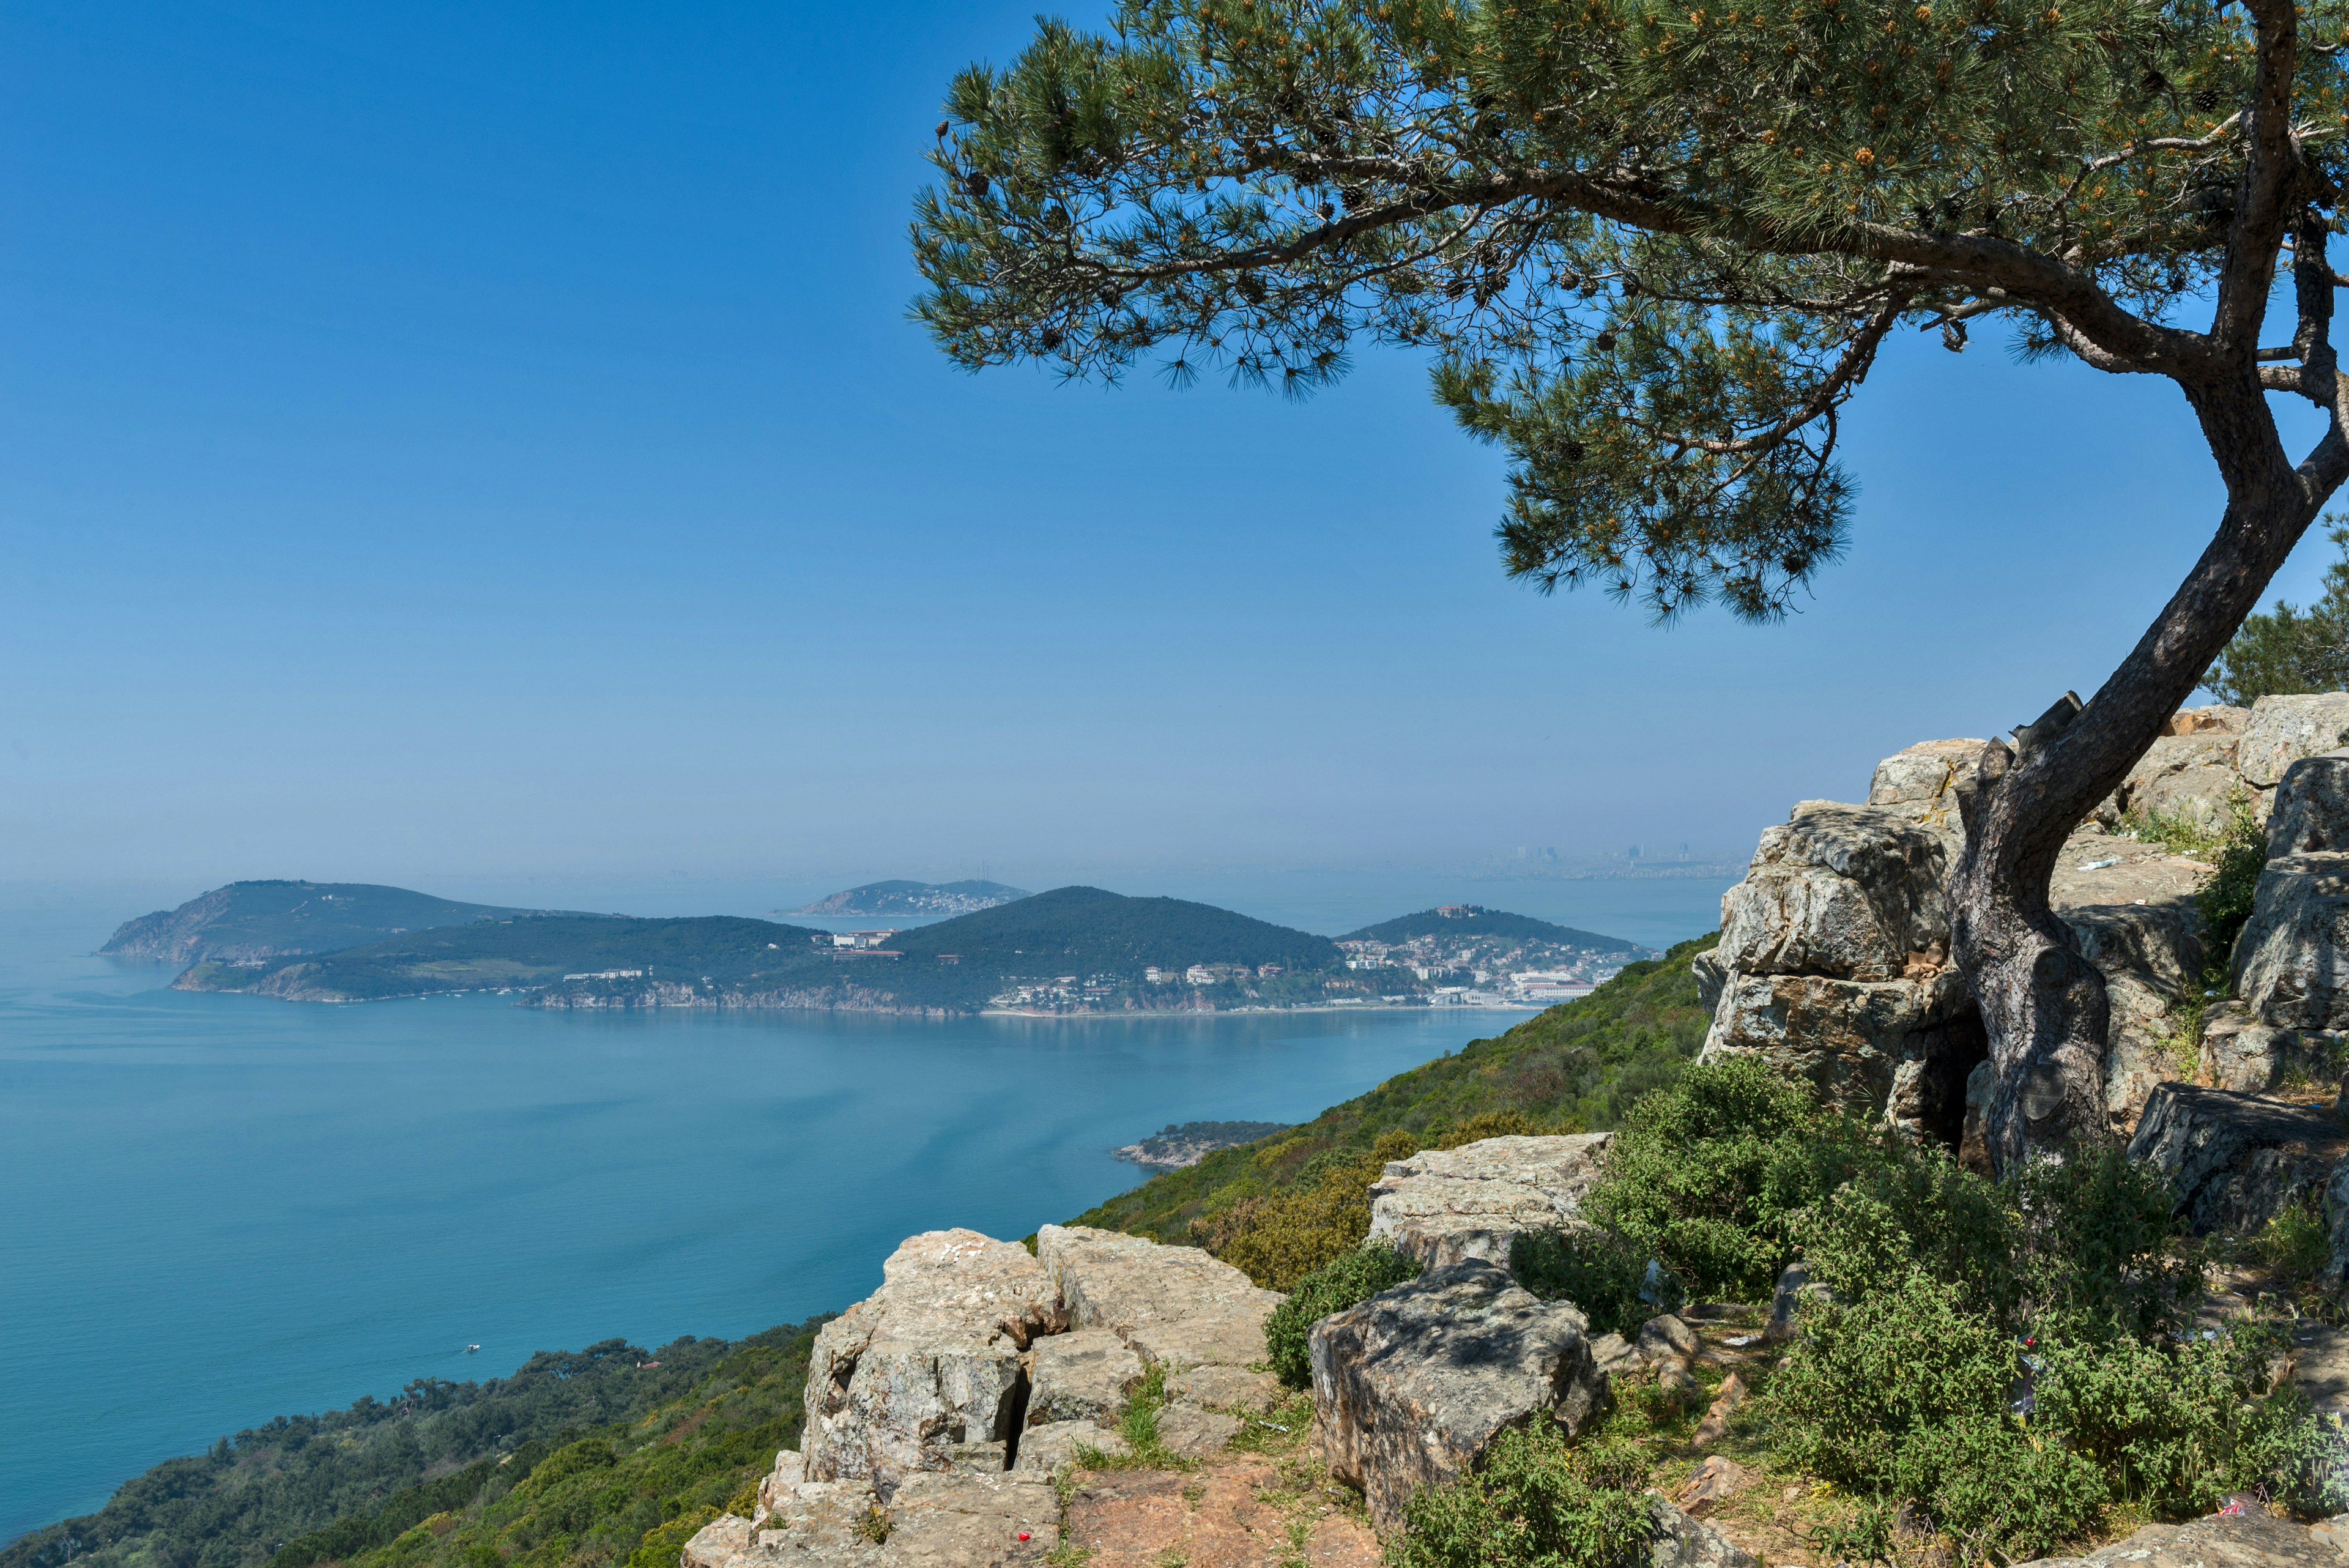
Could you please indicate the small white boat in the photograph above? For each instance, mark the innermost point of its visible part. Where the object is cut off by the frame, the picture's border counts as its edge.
(471, 1348)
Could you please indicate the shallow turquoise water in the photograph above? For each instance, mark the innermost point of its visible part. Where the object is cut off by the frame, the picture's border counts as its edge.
(216, 1210)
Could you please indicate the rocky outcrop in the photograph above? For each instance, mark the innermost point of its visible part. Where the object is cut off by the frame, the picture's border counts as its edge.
(1411, 1385)
(1922, 785)
(932, 1359)
(2290, 967)
(2190, 777)
(2310, 812)
(1843, 891)
(2251, 1538)
(1171, 1304)
(1441, 1206)
(1084, 1376)
(933, 1520)
(2283, 729)
(2235, 1161)
(1677, 1540)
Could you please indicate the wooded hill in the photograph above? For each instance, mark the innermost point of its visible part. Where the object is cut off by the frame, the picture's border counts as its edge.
(251, 921)
(956, 965)
(1483, 922)
(598, 1444)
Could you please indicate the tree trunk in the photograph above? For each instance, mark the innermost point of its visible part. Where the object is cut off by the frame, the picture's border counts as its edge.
(2043, 1005)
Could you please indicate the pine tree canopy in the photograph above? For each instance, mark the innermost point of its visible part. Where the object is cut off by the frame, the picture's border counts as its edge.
(1653, 245)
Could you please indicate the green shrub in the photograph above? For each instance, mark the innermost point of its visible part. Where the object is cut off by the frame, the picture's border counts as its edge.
(1709, 1174)
(2097, 1247)
(1604, 1273)
(2295, 1244)
(1536, 1502)
(1278, 1240)
(2240, 854)
(1353, 1277)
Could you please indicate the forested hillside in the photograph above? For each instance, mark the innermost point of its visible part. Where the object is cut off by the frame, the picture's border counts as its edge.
(250, 921)
(364, 1475)
(1578, 1065)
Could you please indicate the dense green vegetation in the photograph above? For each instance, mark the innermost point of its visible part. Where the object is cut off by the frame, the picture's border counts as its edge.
(1579, 1065)
(326, 1486)
(269, 920)
(1483, 922)
(1999, 1366)
(1085, 931)
(1355, 1275)
(522, 950)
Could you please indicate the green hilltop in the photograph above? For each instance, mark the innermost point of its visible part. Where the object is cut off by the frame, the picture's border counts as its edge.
(1474, 920)
(245, 921)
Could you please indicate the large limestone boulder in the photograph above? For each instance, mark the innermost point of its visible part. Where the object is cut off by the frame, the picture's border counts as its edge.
(2191, 778)
(1441, 1206)
(1846, 891)
(930, 1361)
(2235, 1161)
(1171, 1304)
(2283, 729)
(2291, 964)
(2252, 1539)
(1859, 1041)
(2150, 954)
(1922, 785)
(2310, 813)
(1411, 1385)
(1084, 1376)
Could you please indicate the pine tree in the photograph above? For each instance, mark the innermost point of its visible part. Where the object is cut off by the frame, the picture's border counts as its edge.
(1654, 247)
(2287, 649)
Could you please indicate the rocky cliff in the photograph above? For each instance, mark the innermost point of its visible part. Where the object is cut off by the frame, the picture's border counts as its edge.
(1833, 961)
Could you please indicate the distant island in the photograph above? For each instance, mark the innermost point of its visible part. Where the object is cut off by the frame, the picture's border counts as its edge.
(1074, 950)
(911, 900)
(249, 921)
(1178, 1146)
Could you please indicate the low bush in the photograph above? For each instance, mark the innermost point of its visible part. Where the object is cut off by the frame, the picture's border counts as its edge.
(1606, 1274)
(1278, 1240)
(1709, 1174)
(1536, 1500)
(1342, 1281)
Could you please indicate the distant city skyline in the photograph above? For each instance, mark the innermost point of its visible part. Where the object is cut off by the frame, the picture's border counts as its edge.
(478, 446)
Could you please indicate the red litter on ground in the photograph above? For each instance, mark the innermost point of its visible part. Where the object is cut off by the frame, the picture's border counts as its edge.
(1023, 1535)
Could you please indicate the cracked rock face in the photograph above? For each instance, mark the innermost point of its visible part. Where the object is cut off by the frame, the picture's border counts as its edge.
(1171, 1304)
(930, 1361)
(1411, 1386)
(1441, 1206)
(2290, 967)
(1922, 785)
(2310, 813)
(1844, 891)
(934, 1520)
(2283, 729)
(2236, 1161)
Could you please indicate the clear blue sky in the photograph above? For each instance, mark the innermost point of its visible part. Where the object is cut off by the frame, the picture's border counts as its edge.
(445, 444)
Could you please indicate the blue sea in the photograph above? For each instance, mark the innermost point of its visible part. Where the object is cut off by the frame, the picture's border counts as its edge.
(215, 1209)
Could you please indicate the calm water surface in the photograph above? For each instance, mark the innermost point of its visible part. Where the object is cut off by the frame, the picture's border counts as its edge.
(217, 1209)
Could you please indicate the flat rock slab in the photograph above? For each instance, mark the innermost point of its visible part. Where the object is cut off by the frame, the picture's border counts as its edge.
(1084, 1375)
(935, 1521)
(1171, 1304)
(2236, 1161)
(1224, 1388)
(1214, 1518)
(1411, 1385)
(2250, 1540)
(1474, 1201)
(1056, 1446)
(930, 1361)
